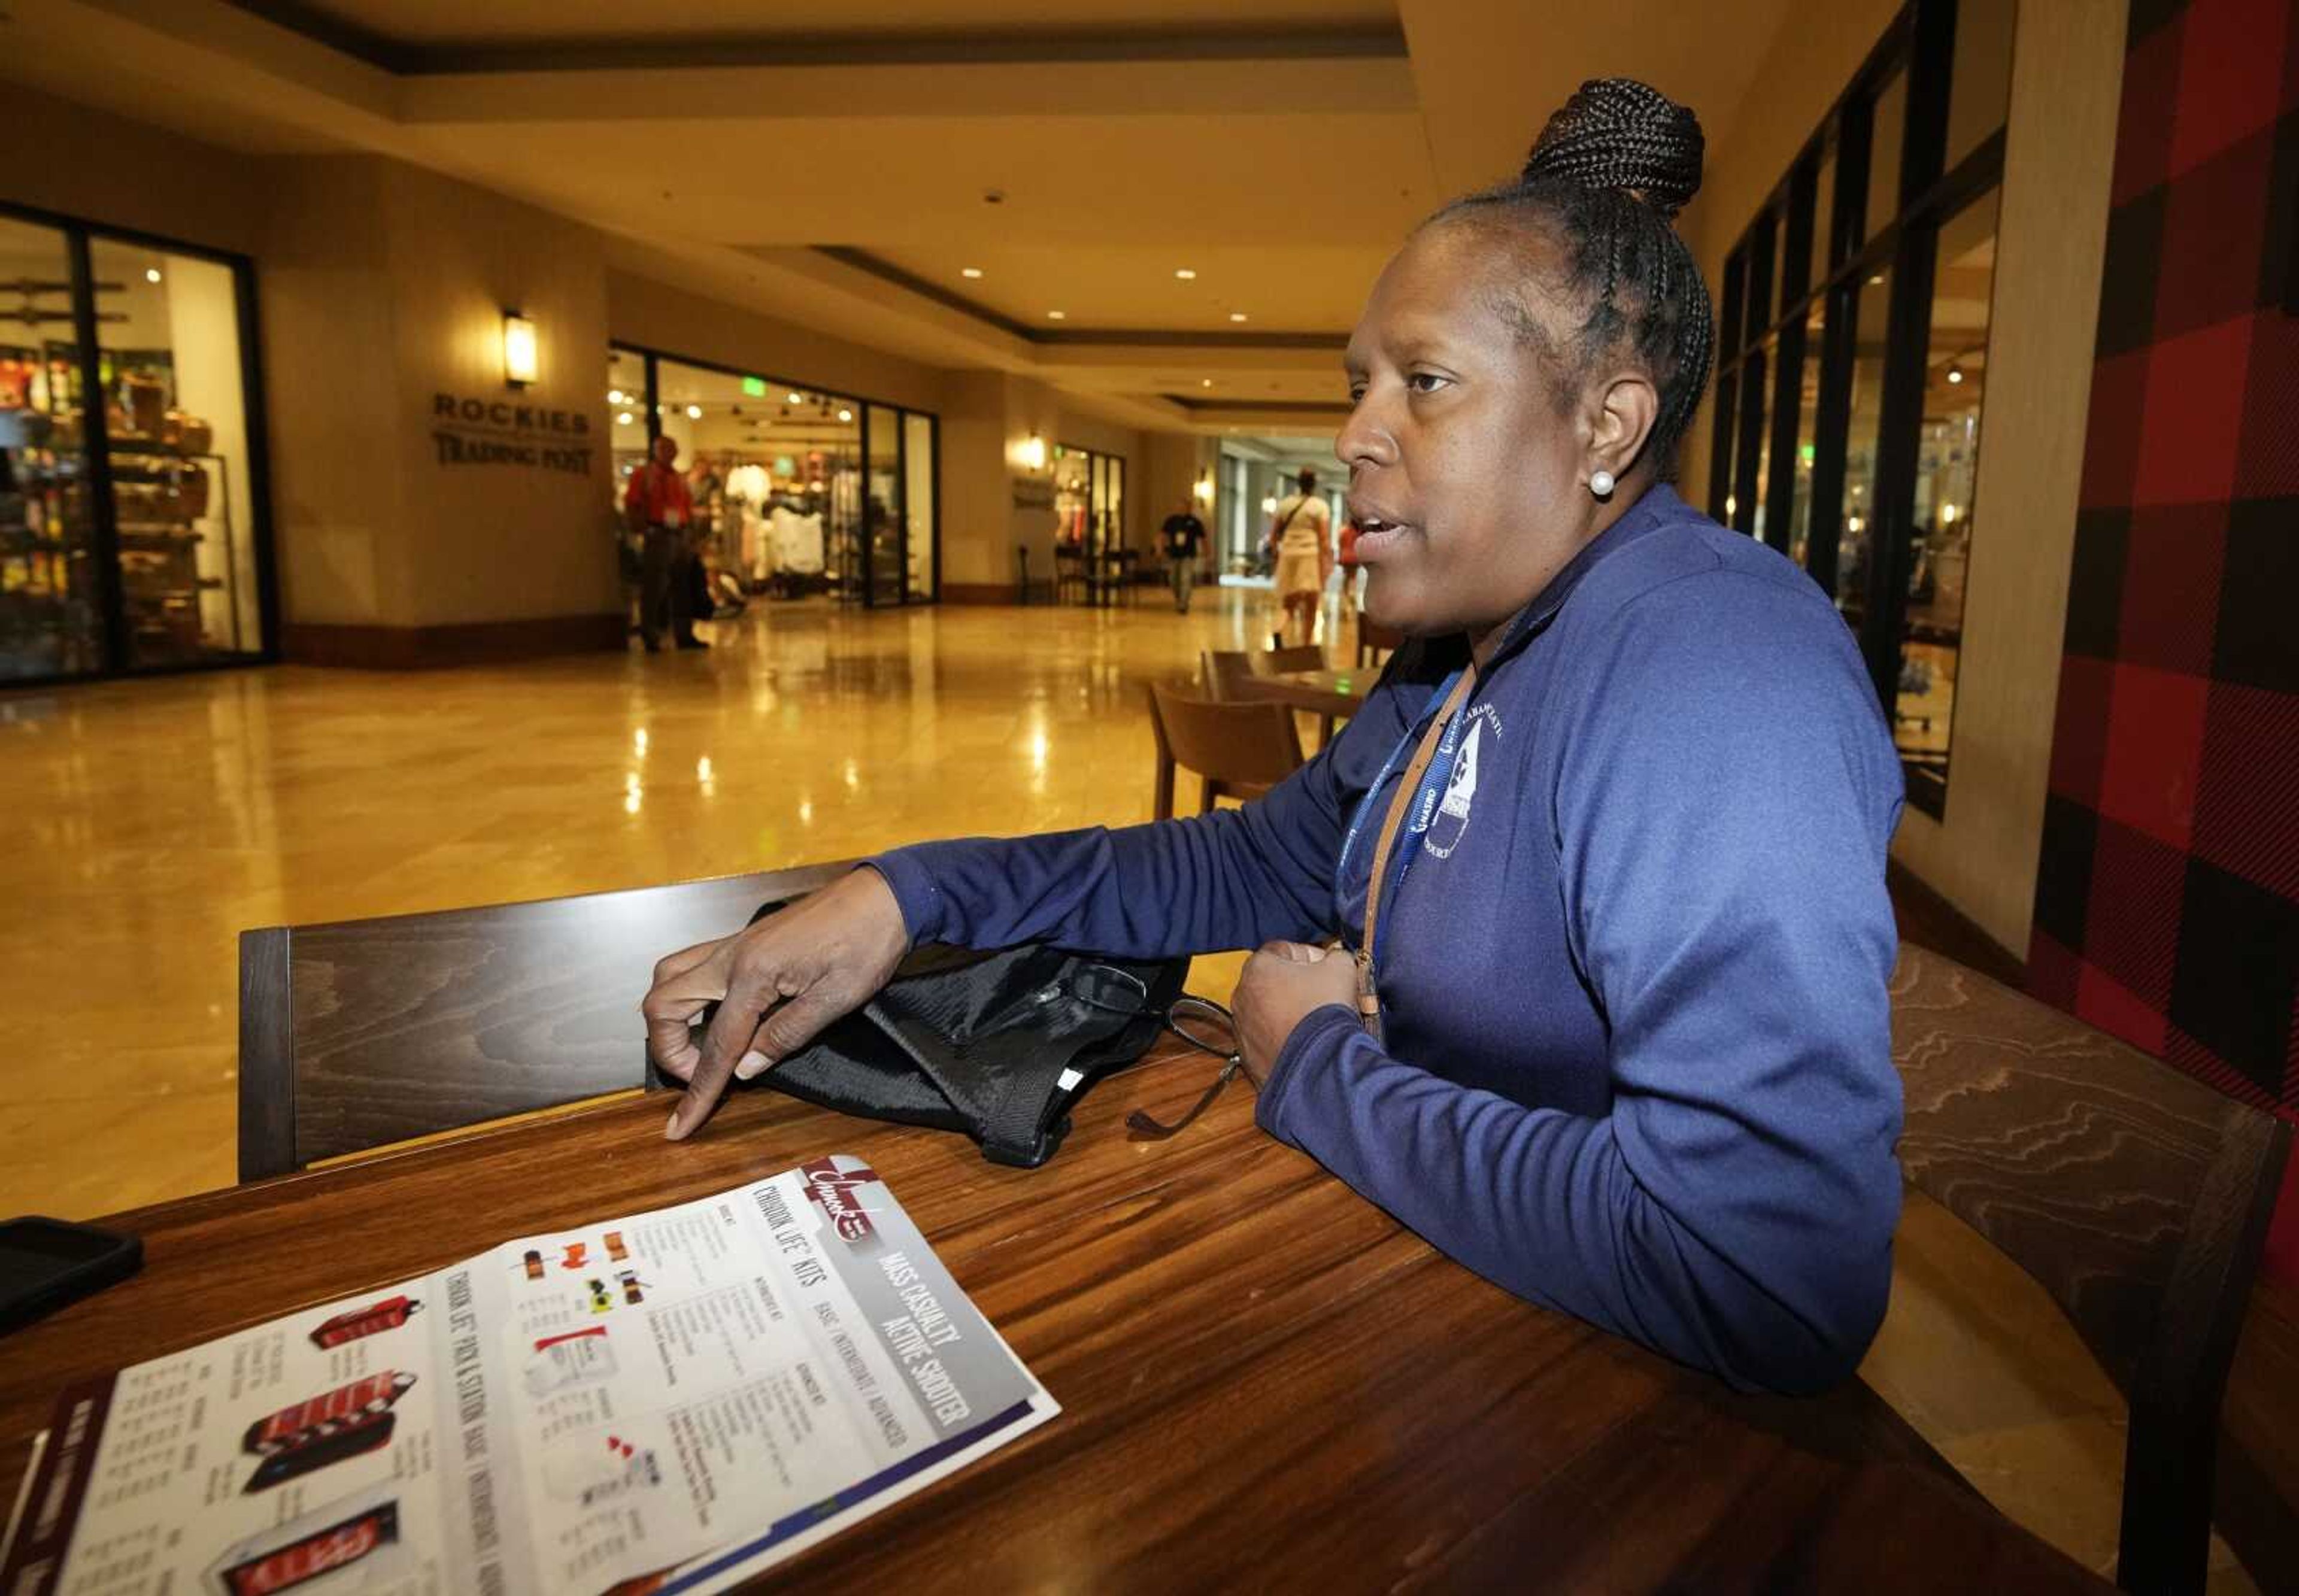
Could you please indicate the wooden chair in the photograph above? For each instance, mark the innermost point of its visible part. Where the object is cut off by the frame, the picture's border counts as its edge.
(2138, 1197)
(1374, 640)
(364, 1033)
(1069, 574)
(1110, 575)
(1240, 750)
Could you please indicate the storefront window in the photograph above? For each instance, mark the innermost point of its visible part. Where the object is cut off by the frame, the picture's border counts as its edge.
(883, 519)
(1870, 318)
(1981, 85)
(626, 427)
(1109, 504)
(1824, 212)
(1748, 493)
(134, 543)
(1886, 427)
(784, 503)
(1798, 540)
(51, 611)
(1886, 138)
(1764, 360)
(1089, 500)
(167, 330)
(1763, 276)
(918, 504)
(1947, 466)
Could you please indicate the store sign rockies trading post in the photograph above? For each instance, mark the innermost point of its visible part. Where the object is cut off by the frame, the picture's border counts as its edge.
(468, 431)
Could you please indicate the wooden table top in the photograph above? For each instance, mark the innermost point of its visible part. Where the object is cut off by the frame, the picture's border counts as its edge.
(1266, 1380)
(1339, 693)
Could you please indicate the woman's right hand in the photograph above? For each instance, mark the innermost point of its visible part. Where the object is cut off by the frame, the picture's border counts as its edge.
(777, 984)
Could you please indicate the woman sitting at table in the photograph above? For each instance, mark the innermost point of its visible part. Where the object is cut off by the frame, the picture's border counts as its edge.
(1627, 790)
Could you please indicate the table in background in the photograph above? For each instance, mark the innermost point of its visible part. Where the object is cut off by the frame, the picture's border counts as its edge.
(1266, 1381)
(1337, 693)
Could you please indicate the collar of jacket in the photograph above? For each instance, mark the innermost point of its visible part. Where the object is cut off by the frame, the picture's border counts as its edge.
(1659, 506)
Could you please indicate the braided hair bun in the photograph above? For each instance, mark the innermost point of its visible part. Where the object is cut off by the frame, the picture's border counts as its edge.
(1608, 171)
(1618, 133)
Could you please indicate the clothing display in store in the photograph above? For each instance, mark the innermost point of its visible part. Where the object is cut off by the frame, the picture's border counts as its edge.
(748, 483)
(796, 542)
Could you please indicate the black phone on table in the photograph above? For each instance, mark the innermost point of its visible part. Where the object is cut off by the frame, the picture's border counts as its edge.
(46, 1263)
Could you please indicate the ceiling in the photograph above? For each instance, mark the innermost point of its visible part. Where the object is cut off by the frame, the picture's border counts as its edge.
(844, 161)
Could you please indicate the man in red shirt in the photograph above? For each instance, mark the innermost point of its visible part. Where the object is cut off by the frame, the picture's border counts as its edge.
(660, 508)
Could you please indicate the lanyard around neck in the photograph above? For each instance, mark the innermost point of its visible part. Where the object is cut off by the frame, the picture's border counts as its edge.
(1368, 999)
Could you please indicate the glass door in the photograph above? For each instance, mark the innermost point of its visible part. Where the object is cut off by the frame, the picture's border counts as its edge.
(881, 441)
(176, 442)
(918, 502)
(51, 606)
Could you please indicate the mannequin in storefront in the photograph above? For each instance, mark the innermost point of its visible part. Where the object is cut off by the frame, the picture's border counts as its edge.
(1607, 1019)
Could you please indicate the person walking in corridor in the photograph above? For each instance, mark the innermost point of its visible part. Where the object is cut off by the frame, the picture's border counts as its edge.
(1301, 532)
(1184, 534)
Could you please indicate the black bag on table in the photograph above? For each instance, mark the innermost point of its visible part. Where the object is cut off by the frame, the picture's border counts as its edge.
(997, 1045)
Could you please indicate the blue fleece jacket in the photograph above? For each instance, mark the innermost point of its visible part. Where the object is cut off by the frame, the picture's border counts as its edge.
(1632, 958)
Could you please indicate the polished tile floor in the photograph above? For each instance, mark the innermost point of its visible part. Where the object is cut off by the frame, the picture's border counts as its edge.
(157, 819)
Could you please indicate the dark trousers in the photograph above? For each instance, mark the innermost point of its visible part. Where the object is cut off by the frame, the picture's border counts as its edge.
(664, 601)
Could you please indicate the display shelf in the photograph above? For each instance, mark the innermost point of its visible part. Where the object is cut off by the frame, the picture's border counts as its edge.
(143, 444)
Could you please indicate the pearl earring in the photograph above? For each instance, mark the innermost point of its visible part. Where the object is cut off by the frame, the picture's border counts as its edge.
(1600, 482)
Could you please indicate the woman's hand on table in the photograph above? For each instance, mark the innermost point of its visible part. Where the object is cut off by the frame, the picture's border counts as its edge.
(777, 984)
(1282, 986)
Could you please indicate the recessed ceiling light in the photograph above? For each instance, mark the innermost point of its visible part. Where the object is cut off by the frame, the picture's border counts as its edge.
(1185, 274)
(1877, 281)
(845, 415)
(1057, 315)
(794, 399)
(694, 412)
(1209, 382)
(1237, 315)
(614, 396)
(151, 274)
(969, 271)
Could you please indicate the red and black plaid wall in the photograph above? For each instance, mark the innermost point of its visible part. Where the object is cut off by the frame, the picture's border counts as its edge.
(2167, 908)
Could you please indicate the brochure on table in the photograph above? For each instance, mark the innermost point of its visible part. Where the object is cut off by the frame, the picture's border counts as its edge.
(665, 1402)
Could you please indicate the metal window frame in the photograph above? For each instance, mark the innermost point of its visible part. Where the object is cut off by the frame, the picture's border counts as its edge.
(1922, 39)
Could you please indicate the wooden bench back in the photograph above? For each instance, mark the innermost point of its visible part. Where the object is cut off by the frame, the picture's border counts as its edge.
(363, 1033)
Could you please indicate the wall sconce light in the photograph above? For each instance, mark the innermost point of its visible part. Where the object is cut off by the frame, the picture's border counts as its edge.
(522, 357)
(1032, 452)
(1203, 489)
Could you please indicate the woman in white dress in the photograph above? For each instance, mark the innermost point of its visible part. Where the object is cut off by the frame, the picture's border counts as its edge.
(1301, 532)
